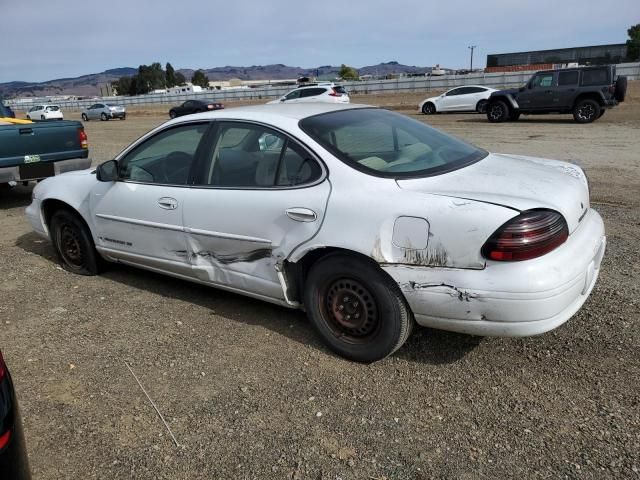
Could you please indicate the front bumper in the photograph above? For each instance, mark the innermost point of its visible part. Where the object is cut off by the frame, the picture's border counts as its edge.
(508, 299)
(9, 174)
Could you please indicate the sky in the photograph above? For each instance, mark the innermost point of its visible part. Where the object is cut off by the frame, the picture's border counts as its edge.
(48, 39)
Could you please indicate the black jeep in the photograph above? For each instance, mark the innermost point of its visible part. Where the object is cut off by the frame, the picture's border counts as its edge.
(586, 92)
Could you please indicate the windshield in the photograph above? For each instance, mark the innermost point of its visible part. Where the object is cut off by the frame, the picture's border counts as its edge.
(388, 144)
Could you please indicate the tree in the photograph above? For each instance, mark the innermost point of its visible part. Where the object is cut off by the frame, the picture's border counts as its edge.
(170, 76)
(348, 73)
(633, 44)
(123, 86)
(200, 79)
(180, 80)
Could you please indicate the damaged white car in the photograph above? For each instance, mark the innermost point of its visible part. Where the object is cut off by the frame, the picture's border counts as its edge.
(367, 219)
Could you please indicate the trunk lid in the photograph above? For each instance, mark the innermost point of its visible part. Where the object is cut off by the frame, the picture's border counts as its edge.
(516, 182)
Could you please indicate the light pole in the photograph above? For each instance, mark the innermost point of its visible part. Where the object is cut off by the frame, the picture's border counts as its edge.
(472, 48)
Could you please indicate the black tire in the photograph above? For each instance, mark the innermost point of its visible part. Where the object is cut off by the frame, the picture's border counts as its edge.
(497, 111)
(621, 88)
(514, 116)
(84, 117)
(123, 117)
(103, 117)
(42, 117)
(481, 106)
(428, 108)
(172, 114)
(73, 243)
(586, 110)
(356, 308)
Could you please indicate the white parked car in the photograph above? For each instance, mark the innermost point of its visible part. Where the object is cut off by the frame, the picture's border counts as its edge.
(45, 112)
(364, 217)
(322, 92)
(471, 98)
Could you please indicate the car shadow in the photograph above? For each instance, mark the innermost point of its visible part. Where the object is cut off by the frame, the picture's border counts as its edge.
(15, 197)
(424, 346)
(523, 120)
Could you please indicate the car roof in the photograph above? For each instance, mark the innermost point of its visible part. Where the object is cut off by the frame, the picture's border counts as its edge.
(294, 111)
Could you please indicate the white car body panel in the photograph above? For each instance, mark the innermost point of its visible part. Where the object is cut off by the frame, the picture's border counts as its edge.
(45, 112)
(458, 103)
(426, 233)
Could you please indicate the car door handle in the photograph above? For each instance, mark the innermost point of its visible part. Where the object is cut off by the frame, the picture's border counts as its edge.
(168, 203)
(300, 214)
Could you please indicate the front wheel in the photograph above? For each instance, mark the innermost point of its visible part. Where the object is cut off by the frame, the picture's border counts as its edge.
(123, 117)
(497, 111)
(103, 117)
(481, 107)
(172, 114)
(356, 308)
(586, 111)
(84, 117)
(73, 243)
(428, 108)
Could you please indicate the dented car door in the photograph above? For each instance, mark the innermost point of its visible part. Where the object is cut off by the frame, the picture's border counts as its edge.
(257, 195)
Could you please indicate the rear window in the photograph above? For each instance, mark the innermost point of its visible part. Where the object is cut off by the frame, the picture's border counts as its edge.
(53, 108)
(387, 144)
(598, 76)
(568, 78)
(340, 89)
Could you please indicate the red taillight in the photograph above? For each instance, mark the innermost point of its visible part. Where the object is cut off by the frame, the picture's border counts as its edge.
(334, 93)
(529, 235)
(84, 143)
(4, 439)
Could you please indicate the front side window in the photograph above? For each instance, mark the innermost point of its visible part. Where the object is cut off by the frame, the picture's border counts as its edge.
(454, 92)
(254, 156)
(542, 81)
(387, 144)
(166, 158)
(293, 95)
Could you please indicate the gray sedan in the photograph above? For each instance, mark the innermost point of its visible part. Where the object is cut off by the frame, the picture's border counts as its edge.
(104, 111)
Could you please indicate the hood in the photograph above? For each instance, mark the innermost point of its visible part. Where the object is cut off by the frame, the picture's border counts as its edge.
(506, 91)
(516, 182)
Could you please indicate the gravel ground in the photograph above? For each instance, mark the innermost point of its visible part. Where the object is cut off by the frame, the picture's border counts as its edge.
(249, 391)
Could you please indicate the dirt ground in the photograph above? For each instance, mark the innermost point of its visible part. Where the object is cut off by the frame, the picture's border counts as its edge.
(249, 391)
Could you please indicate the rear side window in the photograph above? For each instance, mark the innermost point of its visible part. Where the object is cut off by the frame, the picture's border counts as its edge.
(311, 92)
(595, 77)
(568, 78)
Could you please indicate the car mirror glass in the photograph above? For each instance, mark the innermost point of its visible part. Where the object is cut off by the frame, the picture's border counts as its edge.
(107, 171)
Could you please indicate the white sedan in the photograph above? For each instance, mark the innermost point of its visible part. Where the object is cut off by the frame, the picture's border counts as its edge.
(365, 218)
(470, 98)
(45, 112)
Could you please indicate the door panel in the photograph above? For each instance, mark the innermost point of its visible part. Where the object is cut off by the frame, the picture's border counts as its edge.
(261, 196)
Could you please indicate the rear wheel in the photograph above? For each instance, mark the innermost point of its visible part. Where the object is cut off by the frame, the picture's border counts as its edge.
(123, 117)
(84, 117)
(73, 243)
(172, 114)
(42, 117)
(497, 111)
(358, 311)
(428, 108)
(586, 111)
(103, 117)
(481, 107)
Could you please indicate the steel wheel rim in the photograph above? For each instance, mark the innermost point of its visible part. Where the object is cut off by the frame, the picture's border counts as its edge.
(350, 310)
(70, 246)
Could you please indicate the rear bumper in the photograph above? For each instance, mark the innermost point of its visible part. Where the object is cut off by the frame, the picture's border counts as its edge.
(12, 174)
(509, 299)
(118, 114)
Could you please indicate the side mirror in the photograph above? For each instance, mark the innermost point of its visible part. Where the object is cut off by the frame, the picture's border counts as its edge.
(107, 171)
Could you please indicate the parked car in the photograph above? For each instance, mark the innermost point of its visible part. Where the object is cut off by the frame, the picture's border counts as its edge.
(469, 98)
(322, 92)
(366, 218)
(14, 463)
(45, 112)
(194, 106)
(8, 112)
(104, 111)
(585, 92)
(31, 151)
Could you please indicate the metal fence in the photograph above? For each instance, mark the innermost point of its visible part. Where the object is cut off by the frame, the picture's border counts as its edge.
(403, 84)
